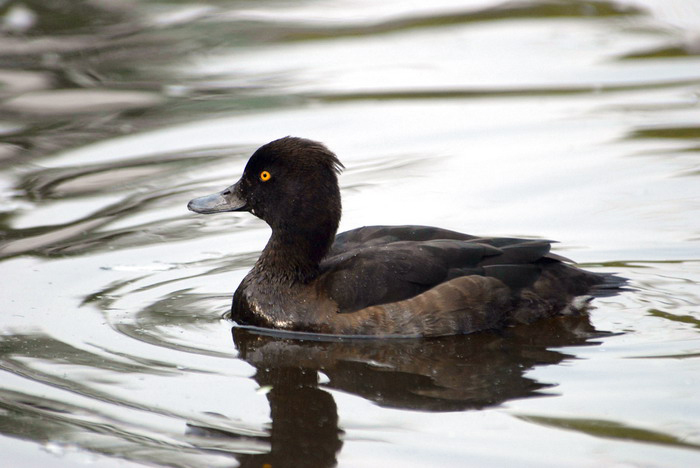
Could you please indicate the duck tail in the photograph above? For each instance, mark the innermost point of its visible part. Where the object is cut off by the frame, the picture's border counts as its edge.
(609, 284)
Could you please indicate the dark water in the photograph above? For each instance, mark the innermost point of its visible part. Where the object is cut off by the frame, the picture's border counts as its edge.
(577, 121)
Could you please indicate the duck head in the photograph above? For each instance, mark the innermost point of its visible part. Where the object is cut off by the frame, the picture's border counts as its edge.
(291, 184)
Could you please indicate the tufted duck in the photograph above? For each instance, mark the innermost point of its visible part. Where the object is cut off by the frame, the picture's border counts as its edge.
(381, 280)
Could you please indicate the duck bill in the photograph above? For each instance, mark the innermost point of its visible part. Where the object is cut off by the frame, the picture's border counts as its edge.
(229, 199)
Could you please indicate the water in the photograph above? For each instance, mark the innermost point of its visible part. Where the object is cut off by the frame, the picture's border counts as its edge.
(576, 121)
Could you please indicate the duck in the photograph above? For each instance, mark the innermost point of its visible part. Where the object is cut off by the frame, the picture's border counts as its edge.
(382, 281)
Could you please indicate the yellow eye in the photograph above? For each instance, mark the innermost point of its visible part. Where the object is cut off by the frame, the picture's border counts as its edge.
(265, 176)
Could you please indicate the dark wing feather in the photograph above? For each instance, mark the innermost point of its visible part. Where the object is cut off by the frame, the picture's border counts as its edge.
(379, 235)
(382, 264)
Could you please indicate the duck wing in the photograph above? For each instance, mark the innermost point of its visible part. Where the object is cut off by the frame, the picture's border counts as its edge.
(382, 264)
(378, 235)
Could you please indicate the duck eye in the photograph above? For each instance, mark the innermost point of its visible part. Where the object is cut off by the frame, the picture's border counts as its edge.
(265, 176)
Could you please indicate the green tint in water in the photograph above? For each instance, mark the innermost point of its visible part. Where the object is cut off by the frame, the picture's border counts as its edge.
(571, 120)
(612, 430)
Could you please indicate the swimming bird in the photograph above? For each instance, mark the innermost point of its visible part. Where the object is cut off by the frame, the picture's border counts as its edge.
(388, 281)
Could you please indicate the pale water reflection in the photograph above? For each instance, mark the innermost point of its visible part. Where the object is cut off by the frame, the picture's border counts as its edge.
(572, 120)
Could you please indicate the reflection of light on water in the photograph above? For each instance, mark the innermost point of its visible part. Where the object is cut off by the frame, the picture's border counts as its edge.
(55, 448)
(514, 122)
(156, 266)
(18, 18)
(71, 101)
(10, 201)
(21, 81)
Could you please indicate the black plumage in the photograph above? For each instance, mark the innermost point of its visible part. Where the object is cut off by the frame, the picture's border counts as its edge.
(381, 280)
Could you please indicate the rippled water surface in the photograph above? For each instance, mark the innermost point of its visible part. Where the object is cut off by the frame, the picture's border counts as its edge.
(571, 120)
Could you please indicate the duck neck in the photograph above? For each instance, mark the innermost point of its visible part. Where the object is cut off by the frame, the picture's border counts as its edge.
(295, 257)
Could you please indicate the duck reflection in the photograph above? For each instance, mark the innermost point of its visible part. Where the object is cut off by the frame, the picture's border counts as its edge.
(452, 373)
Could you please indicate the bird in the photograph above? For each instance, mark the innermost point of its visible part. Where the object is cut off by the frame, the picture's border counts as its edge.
(382, 281)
